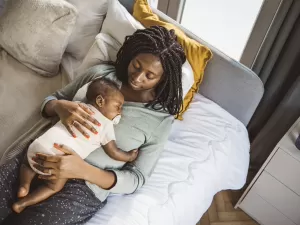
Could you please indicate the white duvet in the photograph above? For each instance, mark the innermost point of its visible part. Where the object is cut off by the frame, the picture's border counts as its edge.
(206, 152)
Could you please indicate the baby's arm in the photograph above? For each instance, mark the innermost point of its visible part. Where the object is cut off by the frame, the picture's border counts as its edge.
(114, 152)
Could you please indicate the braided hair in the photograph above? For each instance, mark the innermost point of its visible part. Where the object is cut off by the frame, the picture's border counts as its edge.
(162, 43)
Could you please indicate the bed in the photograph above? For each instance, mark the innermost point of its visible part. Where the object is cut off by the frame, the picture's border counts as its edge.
(206, 152)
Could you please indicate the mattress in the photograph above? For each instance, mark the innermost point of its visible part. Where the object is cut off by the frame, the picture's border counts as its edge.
(206, 152)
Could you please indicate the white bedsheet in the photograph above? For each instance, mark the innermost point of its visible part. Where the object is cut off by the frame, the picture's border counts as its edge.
(207, 152)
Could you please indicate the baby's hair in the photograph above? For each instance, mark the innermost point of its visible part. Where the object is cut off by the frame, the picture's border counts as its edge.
(101, 86)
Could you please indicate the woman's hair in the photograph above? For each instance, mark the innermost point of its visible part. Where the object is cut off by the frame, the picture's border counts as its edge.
(162, 43)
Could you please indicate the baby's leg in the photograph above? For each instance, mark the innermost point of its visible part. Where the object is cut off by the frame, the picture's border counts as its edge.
(39, 194)
(26, 176)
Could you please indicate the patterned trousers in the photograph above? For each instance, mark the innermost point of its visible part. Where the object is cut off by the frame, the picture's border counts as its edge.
(74, 204)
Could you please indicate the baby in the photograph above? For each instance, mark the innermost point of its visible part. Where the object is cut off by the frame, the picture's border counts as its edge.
(105, 100)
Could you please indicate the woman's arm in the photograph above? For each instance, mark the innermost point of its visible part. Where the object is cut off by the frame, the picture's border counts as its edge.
(92, 174)
(48, 109)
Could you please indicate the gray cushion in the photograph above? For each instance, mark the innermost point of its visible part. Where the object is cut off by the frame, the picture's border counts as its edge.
(21, 94)
(91, 14)
(36, 40)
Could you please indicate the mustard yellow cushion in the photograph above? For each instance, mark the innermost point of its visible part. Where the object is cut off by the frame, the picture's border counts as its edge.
(197, 54)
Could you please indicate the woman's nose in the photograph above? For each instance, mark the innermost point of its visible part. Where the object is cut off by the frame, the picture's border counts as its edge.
(138, 78)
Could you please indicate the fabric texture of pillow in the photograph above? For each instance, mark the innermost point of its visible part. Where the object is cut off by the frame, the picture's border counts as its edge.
(91, 14)
(197, 54)
(119, 23)
(104, 49)
(36, 33)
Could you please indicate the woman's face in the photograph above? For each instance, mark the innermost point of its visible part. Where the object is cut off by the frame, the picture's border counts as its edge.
(144, 72)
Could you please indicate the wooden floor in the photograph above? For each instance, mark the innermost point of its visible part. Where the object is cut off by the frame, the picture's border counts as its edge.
(222, 212)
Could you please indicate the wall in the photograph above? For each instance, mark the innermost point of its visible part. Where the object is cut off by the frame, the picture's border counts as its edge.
(224, 24)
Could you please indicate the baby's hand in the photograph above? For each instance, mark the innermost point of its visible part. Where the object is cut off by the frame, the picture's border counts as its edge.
(133, 155)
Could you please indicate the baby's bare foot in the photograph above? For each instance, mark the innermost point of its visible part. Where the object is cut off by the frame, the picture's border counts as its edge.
(18, 207)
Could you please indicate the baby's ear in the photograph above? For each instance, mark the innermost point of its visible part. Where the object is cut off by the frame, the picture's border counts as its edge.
(100, 101)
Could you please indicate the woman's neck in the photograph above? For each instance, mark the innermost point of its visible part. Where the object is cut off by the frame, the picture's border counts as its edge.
(131, 95)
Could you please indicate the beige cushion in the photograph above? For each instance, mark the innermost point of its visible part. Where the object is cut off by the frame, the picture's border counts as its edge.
(21, 94)
(37, 32)
(91, 14)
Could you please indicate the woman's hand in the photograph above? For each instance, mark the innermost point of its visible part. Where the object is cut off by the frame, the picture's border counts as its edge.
(68, 166)
(75, 115)
(71, 166)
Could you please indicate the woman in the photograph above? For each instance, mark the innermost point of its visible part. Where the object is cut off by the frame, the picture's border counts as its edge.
(148, 69)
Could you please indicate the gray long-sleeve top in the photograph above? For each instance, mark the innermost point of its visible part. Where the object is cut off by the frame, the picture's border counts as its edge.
(140, 127)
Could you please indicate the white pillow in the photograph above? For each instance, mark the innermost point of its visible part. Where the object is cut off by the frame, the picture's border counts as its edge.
(187, 78)
(118, 24)
(91, 14)
(104, 49)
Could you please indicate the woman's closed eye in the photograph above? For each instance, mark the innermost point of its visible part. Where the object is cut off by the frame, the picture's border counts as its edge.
(136, 65)
(150, 76)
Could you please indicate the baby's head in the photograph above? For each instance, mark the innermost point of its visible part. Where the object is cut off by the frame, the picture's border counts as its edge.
(105, 95)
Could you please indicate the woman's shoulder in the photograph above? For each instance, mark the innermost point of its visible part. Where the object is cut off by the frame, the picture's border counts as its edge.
(100, 70)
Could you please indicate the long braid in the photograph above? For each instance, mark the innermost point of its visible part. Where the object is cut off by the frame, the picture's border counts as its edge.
(160, 42)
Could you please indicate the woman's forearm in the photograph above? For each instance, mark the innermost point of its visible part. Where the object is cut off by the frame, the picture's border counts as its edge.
(49, 109)
(102, 178)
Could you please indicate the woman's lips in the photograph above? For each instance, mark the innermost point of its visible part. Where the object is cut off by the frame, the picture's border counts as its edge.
(133, 84)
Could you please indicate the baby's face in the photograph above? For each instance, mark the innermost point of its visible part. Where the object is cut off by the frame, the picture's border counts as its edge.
(113, 105)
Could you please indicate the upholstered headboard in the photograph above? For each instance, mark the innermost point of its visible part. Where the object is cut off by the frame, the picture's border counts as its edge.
(227, 82)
